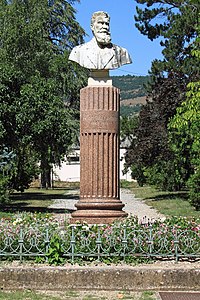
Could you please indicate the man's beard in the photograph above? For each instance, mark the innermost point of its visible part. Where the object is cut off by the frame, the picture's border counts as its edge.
(103, 38)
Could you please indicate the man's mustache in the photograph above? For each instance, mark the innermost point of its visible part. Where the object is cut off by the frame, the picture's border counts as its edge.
(104, 31)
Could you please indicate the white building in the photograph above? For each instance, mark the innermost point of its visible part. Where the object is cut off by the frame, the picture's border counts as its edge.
(70, 169)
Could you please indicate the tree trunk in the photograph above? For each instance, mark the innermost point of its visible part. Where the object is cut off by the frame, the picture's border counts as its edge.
(46, 181)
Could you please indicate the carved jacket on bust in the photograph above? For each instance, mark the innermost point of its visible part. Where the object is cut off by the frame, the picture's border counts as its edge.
(91, 56)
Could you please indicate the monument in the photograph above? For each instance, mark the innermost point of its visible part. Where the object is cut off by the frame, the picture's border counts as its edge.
(99, 126)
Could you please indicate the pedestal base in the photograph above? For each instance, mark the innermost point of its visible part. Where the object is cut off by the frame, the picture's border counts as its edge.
(98, 211)
(96, 220)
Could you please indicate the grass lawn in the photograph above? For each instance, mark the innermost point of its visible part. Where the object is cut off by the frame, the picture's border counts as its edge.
(167, 203)
(73, 295)
(36, 199)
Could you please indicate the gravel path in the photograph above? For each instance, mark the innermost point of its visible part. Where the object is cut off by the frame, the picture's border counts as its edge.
(133, 206)
(137, 207)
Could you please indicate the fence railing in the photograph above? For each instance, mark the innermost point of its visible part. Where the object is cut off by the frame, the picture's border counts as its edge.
(100, 242)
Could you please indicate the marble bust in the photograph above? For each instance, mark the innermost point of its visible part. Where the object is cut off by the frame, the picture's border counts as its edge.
(100, 53)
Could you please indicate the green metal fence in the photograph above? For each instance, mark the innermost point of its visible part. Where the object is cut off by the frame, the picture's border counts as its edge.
(98, 242)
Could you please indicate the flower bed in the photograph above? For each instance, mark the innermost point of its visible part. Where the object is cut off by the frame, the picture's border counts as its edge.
(43, 238)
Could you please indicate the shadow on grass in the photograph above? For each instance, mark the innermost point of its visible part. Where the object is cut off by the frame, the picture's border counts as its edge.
(40, 196)
(170, 196)
(24, 206)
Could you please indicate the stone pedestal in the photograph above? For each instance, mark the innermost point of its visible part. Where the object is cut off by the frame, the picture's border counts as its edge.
(99, 154)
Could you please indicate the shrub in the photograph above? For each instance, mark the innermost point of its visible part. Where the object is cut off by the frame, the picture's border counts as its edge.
(4, 194)
(194, 189)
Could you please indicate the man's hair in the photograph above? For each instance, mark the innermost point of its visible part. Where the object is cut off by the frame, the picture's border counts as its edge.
(97, 14)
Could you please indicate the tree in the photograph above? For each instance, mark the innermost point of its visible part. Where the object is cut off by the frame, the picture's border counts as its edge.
(6, 170)
(174, 21)
(151, 155)
(38, 85)
(127, 127)
(185, 131)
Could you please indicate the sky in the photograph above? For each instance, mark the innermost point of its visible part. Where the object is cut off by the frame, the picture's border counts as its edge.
(123, 33)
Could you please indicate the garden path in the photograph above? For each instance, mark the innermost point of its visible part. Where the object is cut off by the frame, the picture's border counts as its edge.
(133, 206)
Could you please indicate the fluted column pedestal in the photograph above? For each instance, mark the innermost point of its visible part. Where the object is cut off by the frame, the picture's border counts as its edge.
(99, 156)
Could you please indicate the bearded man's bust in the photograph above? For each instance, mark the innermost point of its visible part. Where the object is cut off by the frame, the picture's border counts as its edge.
(100, 53)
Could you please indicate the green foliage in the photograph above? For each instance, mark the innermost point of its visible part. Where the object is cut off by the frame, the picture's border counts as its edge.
(175, 23)
(137, 171)
(166, 175)
(168, 155)
(38, 85)
(26, 168)
(150, 148)
(194, 189)
(55, 251)
(127, 128)
(7, 170)
(185, 131)
(4, 195)
(185, 125)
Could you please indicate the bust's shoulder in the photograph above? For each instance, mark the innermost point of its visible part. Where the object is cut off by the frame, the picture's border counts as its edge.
(81, 52)
(84, 46)
(122, 54)
(119, 48)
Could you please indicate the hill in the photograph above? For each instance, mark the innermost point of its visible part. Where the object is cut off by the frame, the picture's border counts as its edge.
(133, 93)
(134, 101)
(130, 86)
